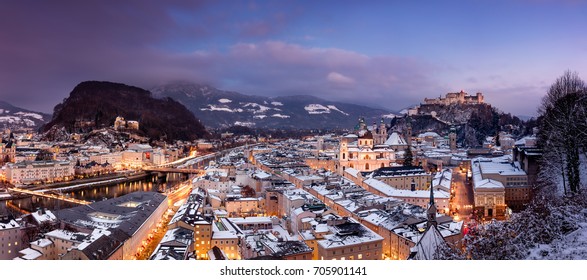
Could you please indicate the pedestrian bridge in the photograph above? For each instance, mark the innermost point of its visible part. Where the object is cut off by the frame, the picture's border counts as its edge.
(50, 195)
(172, 170)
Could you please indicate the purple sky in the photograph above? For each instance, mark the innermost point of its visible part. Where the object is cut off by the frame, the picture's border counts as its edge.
(389, 54)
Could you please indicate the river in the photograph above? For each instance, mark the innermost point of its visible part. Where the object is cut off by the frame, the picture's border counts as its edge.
(17, 207)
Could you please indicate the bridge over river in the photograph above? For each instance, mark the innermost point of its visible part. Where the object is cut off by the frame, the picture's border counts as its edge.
(50, 194)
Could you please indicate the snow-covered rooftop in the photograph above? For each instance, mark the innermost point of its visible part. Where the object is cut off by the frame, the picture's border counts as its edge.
(395, 139)
(397, 193)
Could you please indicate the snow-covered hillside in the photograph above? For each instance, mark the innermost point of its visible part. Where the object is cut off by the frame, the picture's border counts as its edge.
(17, 118)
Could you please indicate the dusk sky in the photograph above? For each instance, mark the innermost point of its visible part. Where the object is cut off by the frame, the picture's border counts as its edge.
(389, 54)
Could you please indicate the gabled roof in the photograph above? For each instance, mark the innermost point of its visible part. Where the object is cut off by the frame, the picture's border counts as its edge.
(395, 139)
(428, 244)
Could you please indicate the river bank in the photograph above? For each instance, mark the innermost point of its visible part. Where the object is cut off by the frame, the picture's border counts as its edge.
(80, 184)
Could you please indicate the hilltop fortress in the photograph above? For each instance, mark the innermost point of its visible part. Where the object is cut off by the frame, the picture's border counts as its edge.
(455, 98)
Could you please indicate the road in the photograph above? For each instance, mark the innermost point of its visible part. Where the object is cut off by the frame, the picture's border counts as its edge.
(462, 195)
(178, 193)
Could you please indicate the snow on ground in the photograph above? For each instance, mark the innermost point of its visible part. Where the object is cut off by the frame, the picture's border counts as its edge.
(29, 122)
(32, 115)
(259, 117)
(280, 116)
(217, 108)
(332, 107)
(261, 109)
(224, 100)
(573, 246)
(276, 103)
(248, 124)
(314, 109)
(10, 119)
(388, 116)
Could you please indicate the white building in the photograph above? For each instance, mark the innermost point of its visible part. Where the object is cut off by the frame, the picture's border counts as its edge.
(29, 172)
(489, 193)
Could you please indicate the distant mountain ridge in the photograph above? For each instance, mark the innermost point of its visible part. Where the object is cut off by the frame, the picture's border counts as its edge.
(219, 108)
(94, 105)
(17, 119)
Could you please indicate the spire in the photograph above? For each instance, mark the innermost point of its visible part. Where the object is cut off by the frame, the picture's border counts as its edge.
(431, 195)
(431, 213)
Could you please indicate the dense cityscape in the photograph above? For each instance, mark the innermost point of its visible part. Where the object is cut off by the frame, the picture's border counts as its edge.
(371, 193)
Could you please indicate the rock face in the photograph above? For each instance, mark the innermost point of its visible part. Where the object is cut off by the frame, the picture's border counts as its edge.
(473, 122)
(218, 108)
(17, 119)
(95, 105)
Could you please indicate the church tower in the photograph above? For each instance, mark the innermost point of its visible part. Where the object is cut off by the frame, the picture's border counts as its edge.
(431, 212)
(383, 131)
(452, 139)
(343, 153)
(408, 136)
(362, 124)
(380, 133)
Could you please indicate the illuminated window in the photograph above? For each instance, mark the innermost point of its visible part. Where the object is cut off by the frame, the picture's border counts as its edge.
(360, 256)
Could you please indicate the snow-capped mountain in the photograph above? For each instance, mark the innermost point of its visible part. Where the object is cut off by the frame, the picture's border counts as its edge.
(17, 119)
(218, 108)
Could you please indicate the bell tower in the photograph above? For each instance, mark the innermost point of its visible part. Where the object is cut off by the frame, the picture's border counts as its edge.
(409, 135)
(452, 138)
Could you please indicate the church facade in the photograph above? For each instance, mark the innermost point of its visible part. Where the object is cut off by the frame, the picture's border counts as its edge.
(365, 150)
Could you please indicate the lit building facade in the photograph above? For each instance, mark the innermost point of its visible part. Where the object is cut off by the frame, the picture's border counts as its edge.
(39, 171)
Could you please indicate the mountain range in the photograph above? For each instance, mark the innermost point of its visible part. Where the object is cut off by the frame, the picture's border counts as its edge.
(16, 119)
(218, 108)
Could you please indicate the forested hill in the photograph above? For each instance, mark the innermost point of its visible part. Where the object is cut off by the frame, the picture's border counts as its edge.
(93, 105)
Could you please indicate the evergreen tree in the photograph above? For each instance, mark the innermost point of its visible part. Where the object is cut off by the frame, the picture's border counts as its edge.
(409, 157)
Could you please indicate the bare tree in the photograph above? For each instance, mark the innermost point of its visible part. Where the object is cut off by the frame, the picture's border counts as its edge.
(563, 130)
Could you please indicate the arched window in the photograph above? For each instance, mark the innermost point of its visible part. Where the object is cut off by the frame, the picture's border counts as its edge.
(366, 166)
(343, 155)
(367, 157)
(382, 165)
